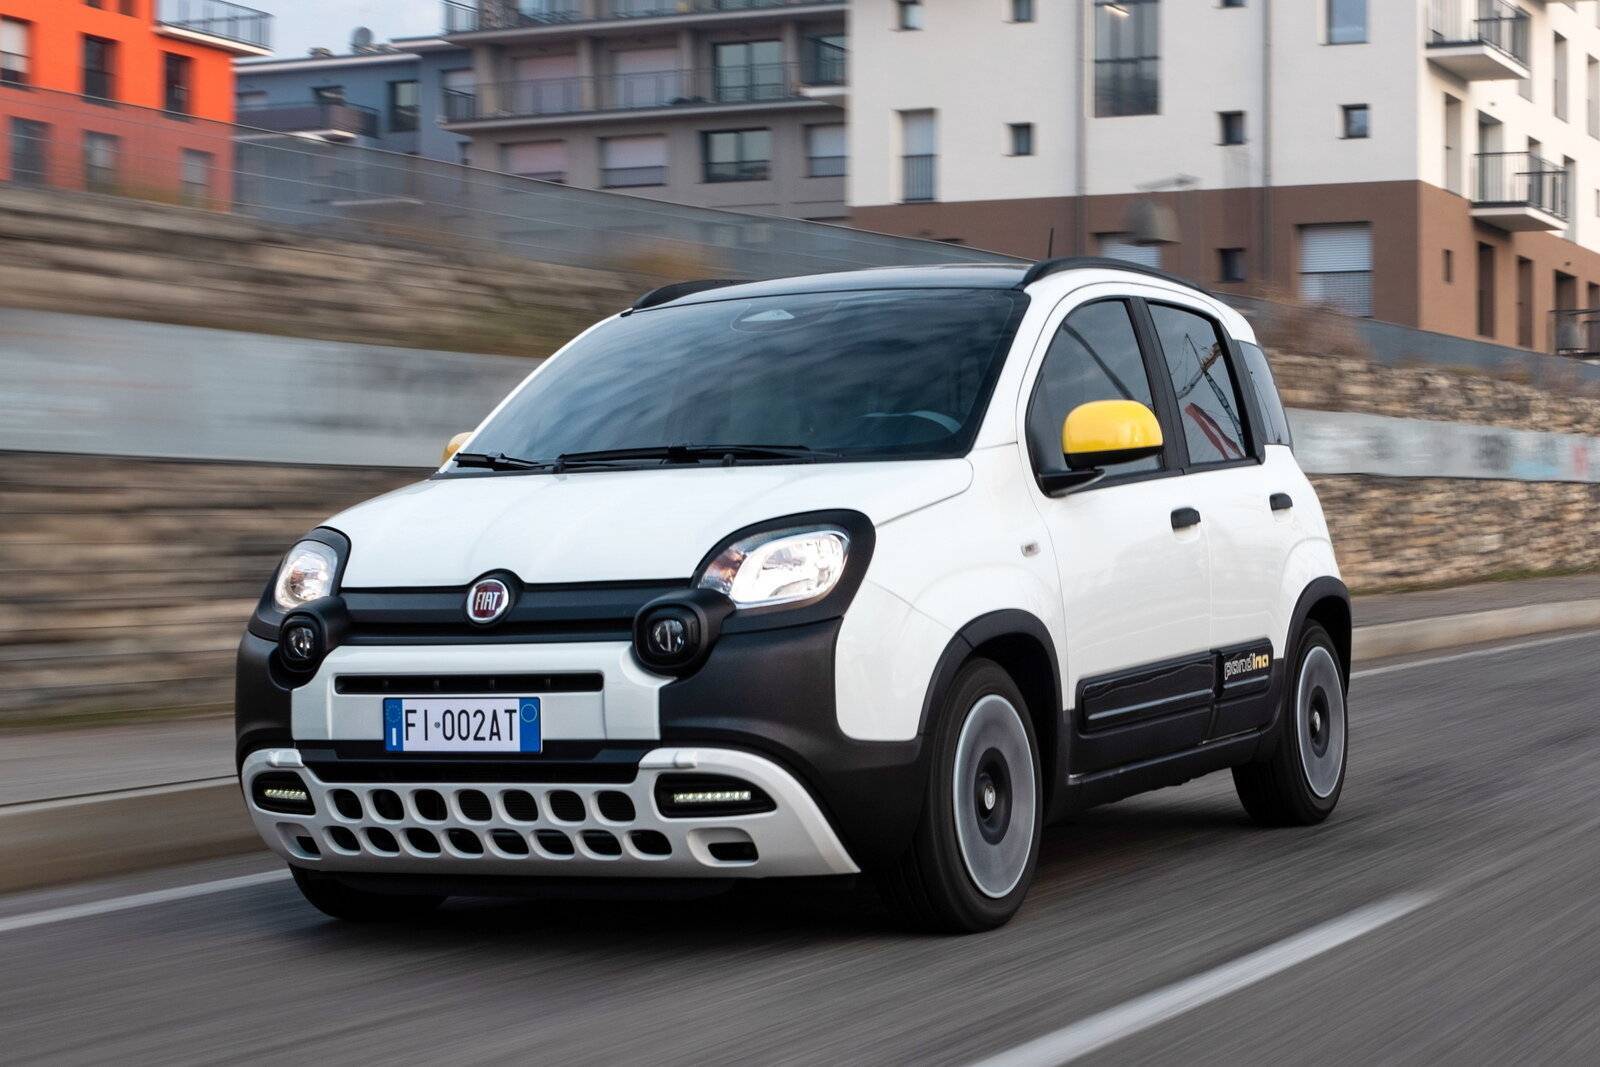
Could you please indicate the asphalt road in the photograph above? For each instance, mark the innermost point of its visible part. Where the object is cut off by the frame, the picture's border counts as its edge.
(1446, 911)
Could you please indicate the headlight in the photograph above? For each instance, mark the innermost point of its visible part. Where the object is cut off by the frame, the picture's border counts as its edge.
(779, 567)
(306, 575)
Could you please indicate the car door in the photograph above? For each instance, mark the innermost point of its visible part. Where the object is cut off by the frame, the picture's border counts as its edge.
(1134, 568)
(1242, 498)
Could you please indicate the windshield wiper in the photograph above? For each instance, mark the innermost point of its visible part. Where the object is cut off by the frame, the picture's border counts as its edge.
(498, 462)
(691, 454)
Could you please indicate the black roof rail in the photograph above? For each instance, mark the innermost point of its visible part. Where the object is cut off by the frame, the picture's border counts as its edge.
(1046, 267)
(667, 293)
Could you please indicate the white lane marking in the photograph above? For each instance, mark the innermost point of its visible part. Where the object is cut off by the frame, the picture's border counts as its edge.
(1141, 1013)
(137, 900)
(1452, 657)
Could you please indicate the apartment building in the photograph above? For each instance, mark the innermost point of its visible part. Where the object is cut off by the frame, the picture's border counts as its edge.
(115, 95)
(733, 104)
(1434, 163)
(386, 96)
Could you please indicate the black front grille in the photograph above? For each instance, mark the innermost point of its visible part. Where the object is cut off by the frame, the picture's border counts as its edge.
(359, 762)
(465, 684)
(591, 611)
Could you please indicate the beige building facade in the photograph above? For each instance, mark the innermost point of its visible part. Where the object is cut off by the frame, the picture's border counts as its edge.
(1430, 162)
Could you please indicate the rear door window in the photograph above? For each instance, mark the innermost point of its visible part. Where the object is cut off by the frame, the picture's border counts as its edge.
(1209, 401)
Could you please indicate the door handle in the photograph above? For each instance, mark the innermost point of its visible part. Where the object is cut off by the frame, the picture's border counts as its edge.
(1281, 502)
(1183, 518)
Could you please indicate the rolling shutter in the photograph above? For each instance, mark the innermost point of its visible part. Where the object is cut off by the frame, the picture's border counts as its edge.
(1336, 266)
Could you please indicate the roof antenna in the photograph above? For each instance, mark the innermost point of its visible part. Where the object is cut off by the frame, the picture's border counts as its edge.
(1050, 246)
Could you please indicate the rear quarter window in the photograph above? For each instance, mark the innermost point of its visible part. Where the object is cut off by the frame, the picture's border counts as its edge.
(1275, 428)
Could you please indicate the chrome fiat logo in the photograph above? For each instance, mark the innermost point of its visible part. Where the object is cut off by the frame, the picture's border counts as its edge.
(487, 600)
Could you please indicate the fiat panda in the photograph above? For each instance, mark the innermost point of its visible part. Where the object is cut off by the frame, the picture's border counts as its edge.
(874, 572)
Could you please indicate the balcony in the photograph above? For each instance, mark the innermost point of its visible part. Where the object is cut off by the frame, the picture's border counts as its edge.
(236, 29)
(500, 15)
(1575, 333)
(1478, 40)
(739, 88)
(328, 122)
(1519, 191)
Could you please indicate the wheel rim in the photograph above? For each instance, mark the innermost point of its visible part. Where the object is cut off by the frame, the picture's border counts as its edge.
(993, 796)
(1320, 721)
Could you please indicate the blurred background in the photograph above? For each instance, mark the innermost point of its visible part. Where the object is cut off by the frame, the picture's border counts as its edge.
(257, 265)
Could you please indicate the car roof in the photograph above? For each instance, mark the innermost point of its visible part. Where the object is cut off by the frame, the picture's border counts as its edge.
(940, 276)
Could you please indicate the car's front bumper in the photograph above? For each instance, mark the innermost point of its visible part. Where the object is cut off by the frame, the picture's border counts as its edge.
(523, 828)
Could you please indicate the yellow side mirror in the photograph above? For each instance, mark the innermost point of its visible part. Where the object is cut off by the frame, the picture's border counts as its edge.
(455, 445)
(1103, 432)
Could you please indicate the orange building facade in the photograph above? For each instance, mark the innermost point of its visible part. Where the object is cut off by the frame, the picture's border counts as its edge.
(123, 96)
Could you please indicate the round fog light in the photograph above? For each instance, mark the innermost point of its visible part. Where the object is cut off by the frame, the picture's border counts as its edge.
(668, 637)
(300, 643)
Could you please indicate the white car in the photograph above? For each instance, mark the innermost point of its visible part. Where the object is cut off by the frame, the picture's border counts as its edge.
(863, 573)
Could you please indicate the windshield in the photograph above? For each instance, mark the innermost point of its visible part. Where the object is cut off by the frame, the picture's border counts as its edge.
(886, 374)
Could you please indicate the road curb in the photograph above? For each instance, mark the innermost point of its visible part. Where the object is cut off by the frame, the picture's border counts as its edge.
(54, 841)
(48, 842)
(1452, 631)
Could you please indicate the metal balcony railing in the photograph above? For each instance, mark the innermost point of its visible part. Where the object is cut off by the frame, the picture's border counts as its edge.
(1499, 25)
(826, 63)
(826, 166)
(1575, 332)
(311, 118)
(631, 177)
(464, 17)
(739, 170)
(917, 178)
(1521, 179)
(217, 18)
(13, 68)
(624, 92)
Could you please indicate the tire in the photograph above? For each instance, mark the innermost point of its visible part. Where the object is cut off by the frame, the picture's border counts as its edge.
(1300, 782)
(976, 845)
(332, 897)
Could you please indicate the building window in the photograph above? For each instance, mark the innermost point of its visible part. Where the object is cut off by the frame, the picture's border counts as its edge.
(1558, 79)
(1232, 126)
(1021, 10)
(1021, 138)
(919, 161)
(1449, 267)
(177, 76)
(1232, 3)
(1127, 57)
(1357, 121)
(738, 155)
(544, 161)
(909, 14)
(402, 106)
(1336, 266)
(99, 57)
(100, 151)
(748, 70)
(826, 152)
(1230, 264)
(1123, 247)
(629, 162)
(196, 189)
(328, 94)
(1347, 21)
(30, 144)
(14, 51)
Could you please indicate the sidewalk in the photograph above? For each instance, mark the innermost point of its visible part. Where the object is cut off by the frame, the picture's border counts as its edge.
(96, 801)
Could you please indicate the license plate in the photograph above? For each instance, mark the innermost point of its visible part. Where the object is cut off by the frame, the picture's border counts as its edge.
(462, 724)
